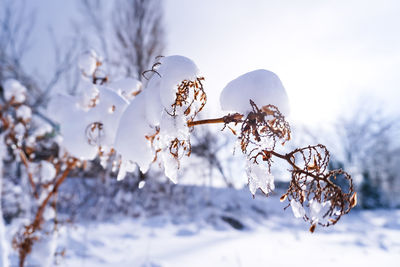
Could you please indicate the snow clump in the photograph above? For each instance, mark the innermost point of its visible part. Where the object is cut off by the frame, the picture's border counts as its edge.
(24, 113)
(128, 87)
(153, 125)
(47, 172)
(262, 86)
(151, 121)
(89, 120)
(13, 89)
(139, 128)
(131, 142)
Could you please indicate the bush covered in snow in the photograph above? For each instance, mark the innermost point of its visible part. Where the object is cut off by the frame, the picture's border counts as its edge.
(155, 123)
(126, 125)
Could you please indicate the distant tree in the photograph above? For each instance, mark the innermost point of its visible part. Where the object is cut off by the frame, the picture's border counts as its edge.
(207, 146)
(16, 25)
(139, 30)
(371, 193)
(131, 34)
(366, 138)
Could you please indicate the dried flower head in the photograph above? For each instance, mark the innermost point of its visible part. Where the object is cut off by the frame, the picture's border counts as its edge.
(261, 129)
(95, 133)
(312, 193)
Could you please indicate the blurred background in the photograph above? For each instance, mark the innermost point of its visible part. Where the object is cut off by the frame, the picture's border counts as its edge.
(339, 63)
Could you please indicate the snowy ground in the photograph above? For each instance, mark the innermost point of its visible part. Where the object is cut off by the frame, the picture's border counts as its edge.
(363, 238)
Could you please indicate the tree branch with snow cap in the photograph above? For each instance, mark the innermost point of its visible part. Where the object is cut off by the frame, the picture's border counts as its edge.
(155, 123)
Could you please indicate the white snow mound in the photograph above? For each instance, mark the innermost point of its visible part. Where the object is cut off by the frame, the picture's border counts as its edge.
(150, 110)
(131, 142)
(75, 121)
(262, 86)
(126, 87)
(14, 89)
(162, 87)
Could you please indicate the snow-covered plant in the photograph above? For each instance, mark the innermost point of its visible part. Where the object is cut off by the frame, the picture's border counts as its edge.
(15, 119)
(26, 139)
(36, 240)
(131, 126)
(102, 120)
(258, 97)
(154, 124)
(4, 262)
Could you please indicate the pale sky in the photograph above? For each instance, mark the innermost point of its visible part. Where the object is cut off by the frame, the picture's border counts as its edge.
(329, 54)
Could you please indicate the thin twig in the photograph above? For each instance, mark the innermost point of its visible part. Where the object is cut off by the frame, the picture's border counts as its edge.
(30, 176)
(207, 121)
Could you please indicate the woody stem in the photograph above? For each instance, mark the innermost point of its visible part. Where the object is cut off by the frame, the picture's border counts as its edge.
(207, 121)
(236, 117)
